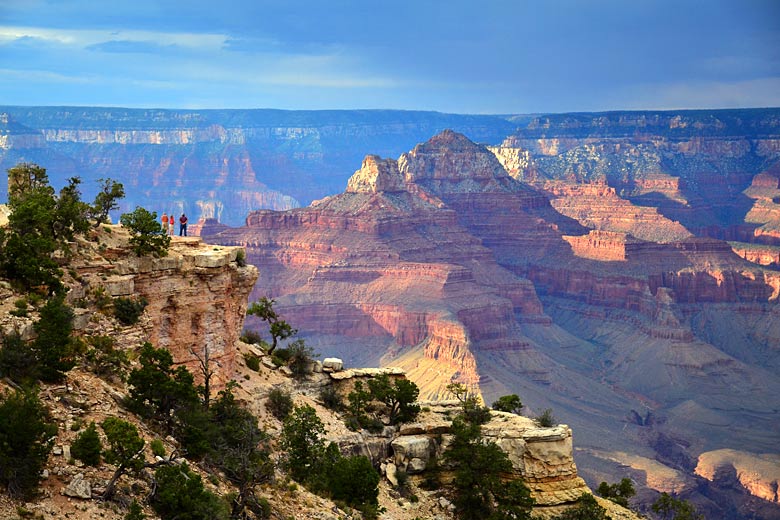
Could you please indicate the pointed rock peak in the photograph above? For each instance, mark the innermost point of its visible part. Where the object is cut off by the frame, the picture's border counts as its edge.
(449, 160)
(376, 175)
(447, 140)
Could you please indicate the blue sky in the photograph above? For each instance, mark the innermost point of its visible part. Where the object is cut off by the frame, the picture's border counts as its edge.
(487, 56)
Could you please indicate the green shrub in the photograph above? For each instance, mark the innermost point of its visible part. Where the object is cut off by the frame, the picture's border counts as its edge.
(148, 237)
(241, 258)
(101, 299)
(331, 398)
(280, 403)
(546, 418)
(618, 493)
(129, 310)
(301, 357)
(252, 361)
(477, 487)
(103, 360)
(180, 494)
(398, 397)
(21, 308)
(135, 512)
(250, 336)
(158, 448)
(25, 441)
(587, 508)
(302, 440)
(17, 359)
(672, 508)
(280, 356)
(509, 403)
(55, 349)
(355, 481)
(87, 446)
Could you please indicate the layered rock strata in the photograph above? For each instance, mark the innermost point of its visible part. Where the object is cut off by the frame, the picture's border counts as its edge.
(196, 296)
(445, 265)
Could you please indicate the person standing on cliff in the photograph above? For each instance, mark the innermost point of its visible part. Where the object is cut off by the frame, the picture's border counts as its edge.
(183, 225)
(171, 224)
(164, 220)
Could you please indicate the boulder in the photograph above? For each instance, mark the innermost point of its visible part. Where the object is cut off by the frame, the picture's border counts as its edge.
(334, 364)
(79, 487)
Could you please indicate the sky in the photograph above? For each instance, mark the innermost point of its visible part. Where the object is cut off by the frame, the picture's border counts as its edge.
(486, 56)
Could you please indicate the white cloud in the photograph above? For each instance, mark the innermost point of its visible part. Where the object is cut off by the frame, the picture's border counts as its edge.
(87, 37)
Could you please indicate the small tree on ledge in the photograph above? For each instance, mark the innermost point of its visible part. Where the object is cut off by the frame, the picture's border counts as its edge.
(278, 328)
(148, 237)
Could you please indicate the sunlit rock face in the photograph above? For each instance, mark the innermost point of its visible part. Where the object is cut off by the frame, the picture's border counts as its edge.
(445, 265)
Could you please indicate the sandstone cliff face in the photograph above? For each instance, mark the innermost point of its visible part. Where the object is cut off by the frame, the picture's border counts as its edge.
(196, 295)
(692, 166)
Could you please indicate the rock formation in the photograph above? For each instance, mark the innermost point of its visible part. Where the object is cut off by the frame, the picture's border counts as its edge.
(196, 296)
(443, 264)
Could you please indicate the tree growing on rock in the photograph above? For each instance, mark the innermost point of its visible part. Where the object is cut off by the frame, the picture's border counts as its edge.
(26, 433)
(302, 440)
(179, 494)
(398, 396)
(147, 235)
(277, 328)
(618, 493)
(478, 489)
(125, 450)
(87, 446)
(508, 403)
(668, 507)
(106, 200)
(240, 450)
(157, 390)
(587, 508)
(54, 348)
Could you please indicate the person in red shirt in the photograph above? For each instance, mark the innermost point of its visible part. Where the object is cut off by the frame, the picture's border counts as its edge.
(165, 222)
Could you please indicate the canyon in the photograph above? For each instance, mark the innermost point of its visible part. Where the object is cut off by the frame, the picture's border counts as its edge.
(656, 340)
(216, 163)
(619, 268)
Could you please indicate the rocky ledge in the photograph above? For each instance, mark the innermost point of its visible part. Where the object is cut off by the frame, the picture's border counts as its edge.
(196, 295)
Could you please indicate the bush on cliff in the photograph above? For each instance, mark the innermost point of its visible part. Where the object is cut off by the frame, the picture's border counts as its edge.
(87, 446)
(478, 490)
(25, 441)
(179, 493)
(147, 235)
(55, 349)
(129, 310)
(618, 493)
(17, 359)
(322, 468)
(398, 397)
(668, 507)
(280, 403)
(158, 391)
(508, 403)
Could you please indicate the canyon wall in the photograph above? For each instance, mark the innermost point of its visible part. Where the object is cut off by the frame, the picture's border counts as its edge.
(217, 163)
(444, 264)
(196, 296)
